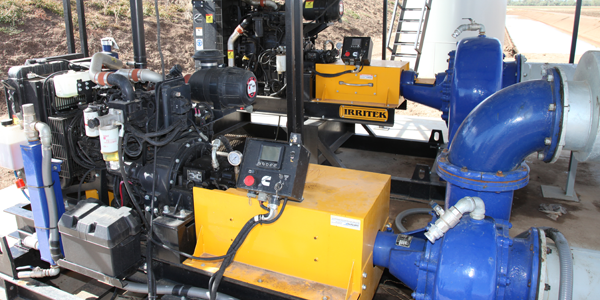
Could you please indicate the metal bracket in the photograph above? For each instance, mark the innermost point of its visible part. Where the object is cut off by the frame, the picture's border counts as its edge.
(7, 264)
(568, 193)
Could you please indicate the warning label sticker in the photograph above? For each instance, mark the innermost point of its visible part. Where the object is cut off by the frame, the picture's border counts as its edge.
(309, 4)
(198, 31)
(404, 240)
(209, 18)
(345, 222)
(230, 54)
(199, 44)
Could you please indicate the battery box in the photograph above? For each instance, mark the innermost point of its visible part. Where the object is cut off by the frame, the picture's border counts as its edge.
(101, 238)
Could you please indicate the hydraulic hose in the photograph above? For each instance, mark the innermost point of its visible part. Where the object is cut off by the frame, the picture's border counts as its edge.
(226, 143)
(124, 85)
(406, 213)
(175, 290)
(566, 262)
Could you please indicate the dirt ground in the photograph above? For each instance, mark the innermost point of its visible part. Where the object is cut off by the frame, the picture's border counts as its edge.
(561, 18)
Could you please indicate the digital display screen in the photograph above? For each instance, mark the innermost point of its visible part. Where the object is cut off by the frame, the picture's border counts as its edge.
(356, 43)
(270, 153)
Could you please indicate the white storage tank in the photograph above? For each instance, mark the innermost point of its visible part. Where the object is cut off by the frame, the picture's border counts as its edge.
(444, 18)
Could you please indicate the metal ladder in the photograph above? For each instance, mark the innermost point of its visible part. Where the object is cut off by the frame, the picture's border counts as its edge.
(413, 36)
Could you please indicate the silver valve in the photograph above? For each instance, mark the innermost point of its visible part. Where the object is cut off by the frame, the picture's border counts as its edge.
(473, 26)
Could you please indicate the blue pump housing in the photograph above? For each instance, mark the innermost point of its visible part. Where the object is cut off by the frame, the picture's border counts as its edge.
(32, 162)
(475, 71)
(471, 85)
(475, 260)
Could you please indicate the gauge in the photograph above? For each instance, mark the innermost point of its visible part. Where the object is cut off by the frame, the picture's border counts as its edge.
(235, 158)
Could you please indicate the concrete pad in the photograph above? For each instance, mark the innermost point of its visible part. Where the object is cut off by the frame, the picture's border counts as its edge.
(535, 37)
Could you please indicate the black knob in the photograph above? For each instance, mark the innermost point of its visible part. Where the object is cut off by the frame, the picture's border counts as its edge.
(93, 123)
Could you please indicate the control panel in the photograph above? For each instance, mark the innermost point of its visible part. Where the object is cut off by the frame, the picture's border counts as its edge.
(274, 168)
(357, 51)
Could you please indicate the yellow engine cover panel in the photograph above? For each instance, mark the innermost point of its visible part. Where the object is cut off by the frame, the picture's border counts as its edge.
(328, 238)
(376, 85)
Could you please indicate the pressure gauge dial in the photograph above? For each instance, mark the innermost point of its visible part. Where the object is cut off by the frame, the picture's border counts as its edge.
(235, 158)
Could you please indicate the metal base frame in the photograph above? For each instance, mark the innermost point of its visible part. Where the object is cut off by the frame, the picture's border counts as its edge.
(324, 137)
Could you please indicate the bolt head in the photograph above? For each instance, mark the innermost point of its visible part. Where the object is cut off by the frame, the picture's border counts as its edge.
(96, 175)
(548, 141)
(550, 77)
(552, 107)
(147, 208)
(365, 275)
(171, 181)
(155, 210)
(147, 197)
(364, 286)
(541, 156)
(260, 280)
(177, 161)
(187, 145)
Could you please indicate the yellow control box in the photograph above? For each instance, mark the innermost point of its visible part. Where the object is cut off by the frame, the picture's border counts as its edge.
(376, 85)
(320, 247)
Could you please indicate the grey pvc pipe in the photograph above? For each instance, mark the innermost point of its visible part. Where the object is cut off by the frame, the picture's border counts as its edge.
(408, 212)
(565, 291)
(176, 290)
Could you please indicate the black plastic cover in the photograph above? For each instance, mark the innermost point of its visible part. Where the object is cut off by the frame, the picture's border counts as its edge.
(102, 225)
(101, 238)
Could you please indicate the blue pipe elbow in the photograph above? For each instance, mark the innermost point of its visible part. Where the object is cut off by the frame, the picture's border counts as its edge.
(508, 126)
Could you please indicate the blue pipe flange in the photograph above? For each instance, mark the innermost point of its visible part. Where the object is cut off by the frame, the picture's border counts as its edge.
(482, 181)
(551, 153)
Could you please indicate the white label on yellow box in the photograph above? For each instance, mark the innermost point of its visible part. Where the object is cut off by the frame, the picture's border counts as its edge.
(345, 222)
(366, 77)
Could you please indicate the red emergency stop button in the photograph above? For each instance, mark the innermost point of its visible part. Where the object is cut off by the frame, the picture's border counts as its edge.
(249, 180)
(347, 54)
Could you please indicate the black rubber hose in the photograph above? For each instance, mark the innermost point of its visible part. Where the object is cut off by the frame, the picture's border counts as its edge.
(215, 280)
(408, 212)
(124, 85)
(226, 143)
(565, 291)
(128, 187)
